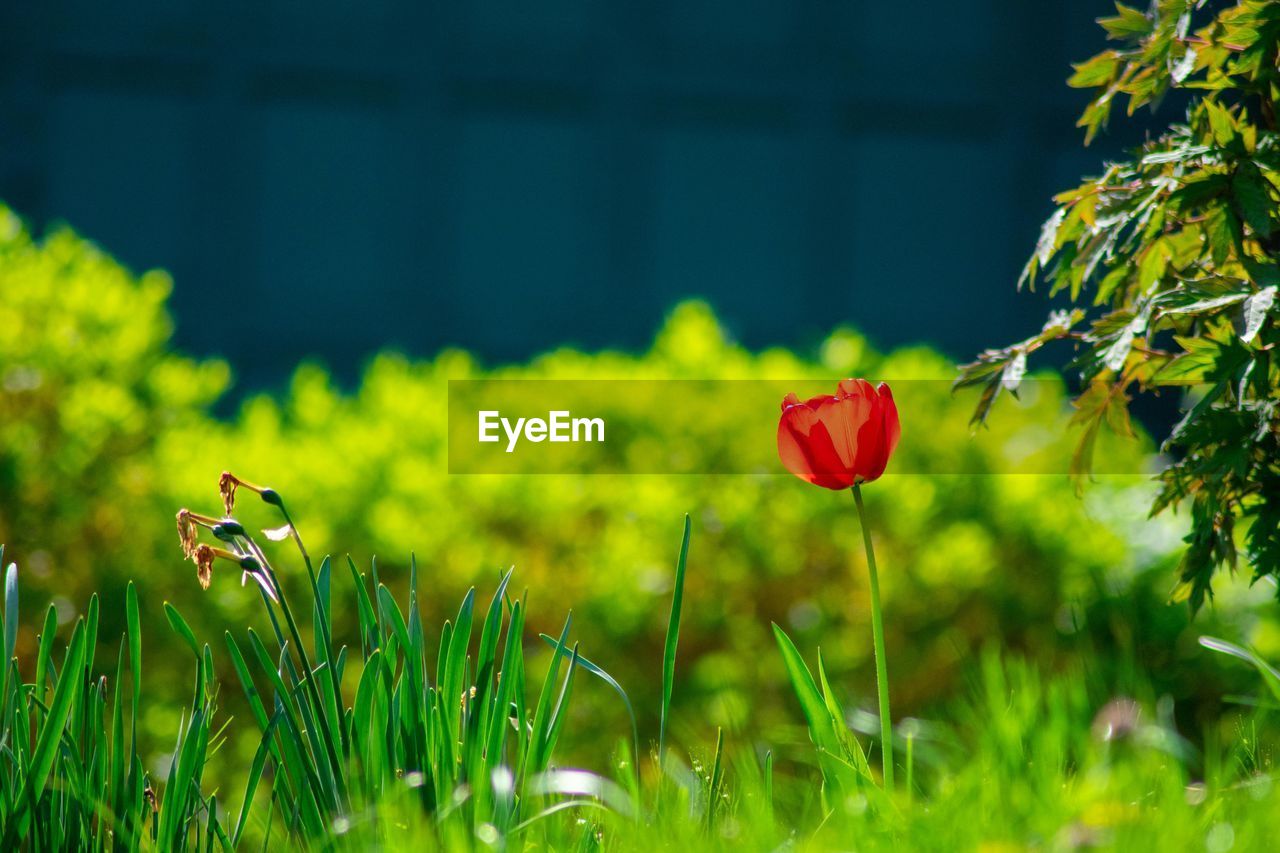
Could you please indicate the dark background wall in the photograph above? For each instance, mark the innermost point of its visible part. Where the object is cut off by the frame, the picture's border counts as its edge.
(509, 175)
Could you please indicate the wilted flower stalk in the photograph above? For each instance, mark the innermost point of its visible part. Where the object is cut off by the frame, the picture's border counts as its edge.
(228, 483)
(188, 529)
(249, 556)
(203, 556)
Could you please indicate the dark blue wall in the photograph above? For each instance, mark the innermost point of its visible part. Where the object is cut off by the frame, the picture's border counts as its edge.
(508, 175)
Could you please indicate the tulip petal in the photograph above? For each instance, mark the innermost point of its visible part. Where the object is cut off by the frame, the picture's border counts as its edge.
(871, 444)
(882, 433)
(806, 449)
(844, 418)
(855, 388)
(892, 427)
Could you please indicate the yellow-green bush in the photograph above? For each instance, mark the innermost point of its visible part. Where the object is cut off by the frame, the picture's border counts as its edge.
(105, 432)
(88, 385)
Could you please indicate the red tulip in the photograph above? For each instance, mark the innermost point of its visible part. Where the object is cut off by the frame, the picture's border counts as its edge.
(838, 442)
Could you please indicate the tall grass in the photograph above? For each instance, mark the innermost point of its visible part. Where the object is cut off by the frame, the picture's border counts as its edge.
(70, 778)
(379, 732)
(452, 729)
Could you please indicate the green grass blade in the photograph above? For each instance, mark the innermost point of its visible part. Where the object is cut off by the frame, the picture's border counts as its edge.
(44, 655)
(255, 774)
(542, 715)
(181, 628)
(367, 739)
(1270, 675)
(182, 781)
(492, 624)
(852, 749)
(768, 783)
(10, 615)
(498, 722)
(46, 749)
(135, 647)
(673, 639)
(811, 701)
(455, 662)
(91, 633)
(416, 640)
(561, 713)
(324, 583)
(371, 635)
(116, 775)
(608, 679)
(717, 775)
(816, 713)
(484, 706)
(390, 612)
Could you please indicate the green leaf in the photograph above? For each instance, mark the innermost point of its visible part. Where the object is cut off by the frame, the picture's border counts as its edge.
(1203, 360)
(1014, 369)
(1185, 300)
(1222, 228)
(1118, 353)
(1098, 71)
(1095, 117)
(1256, 308)
(1127, 24)
(1250, 191)
(1221, 124)
(1048, 242)
(1184, 67)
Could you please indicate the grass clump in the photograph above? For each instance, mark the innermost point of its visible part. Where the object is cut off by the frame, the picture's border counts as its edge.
(373, 732)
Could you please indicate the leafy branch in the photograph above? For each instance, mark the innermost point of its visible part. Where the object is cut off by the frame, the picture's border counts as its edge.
(1170, 259)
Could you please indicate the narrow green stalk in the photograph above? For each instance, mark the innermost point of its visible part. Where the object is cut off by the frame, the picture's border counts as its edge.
(326, 638)
(320, 714)
(911, 750)
(877, 635)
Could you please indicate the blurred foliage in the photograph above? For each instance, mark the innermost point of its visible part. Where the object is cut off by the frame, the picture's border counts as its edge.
(1176, 253)
(106, 433)
(87, 386)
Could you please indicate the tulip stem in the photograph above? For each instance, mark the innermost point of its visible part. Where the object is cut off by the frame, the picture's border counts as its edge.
(877, 635)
